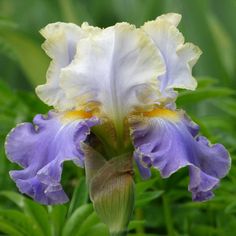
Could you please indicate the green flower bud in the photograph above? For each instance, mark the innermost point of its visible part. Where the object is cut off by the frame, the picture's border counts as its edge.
(111, 188)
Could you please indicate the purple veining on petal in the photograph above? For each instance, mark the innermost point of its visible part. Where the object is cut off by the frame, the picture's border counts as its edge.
(172, 144)
(41, 148)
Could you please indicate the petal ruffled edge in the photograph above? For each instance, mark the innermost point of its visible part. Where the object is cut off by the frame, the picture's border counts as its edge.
(116, 54)
(60, 45)
(179, 57)
(170, 141)
(41, 149)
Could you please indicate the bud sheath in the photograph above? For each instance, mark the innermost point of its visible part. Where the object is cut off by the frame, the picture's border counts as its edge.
(111, 188)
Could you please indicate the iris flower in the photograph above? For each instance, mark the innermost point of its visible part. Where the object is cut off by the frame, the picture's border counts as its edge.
(117, 84)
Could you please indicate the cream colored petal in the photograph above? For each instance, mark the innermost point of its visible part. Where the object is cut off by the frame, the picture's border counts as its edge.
(89, 29)
(172, 18)
(117, 69)
(189, 53)
(179, 57)
(60, 45)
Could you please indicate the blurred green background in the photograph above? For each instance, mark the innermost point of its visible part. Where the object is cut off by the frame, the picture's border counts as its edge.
(163, 207)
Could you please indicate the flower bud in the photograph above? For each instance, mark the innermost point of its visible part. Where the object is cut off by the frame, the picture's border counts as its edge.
(111, 188)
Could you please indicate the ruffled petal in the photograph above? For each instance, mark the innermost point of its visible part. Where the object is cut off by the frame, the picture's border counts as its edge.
(172, 18)
(41, 148)
(60, 45)
(116, 70)
(168, 141)
(179, 57)
(143, 168)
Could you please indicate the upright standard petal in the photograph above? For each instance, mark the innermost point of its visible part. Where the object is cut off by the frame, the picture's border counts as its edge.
(60, 45)
(179, 57)
(168, 141)
(41, 148)
(116, 69)
(172, 18)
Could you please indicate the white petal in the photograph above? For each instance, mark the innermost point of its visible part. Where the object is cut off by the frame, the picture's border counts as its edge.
(117, 68)
(179, 57)
(172, 18)
(60, 45)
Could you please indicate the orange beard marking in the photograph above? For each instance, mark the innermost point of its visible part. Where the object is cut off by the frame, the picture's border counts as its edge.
(76, 114)
(162, 112)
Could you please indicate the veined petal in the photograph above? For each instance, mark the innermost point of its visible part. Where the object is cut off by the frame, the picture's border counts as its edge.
(117, 69)
(41, 148)
(168, 141)
(179, 57)
(60, 45)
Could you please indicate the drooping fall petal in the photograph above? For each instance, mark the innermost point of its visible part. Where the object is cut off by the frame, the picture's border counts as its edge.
(168, 140)
(41, 148)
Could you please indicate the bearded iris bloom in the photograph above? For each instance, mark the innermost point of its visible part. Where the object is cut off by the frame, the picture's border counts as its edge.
(117, 84)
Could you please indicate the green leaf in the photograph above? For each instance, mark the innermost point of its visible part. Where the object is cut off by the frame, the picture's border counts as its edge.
(136, 223)
(90, 221)
(31, 57)
(8, 229)
(206, 230)
(197, 30)
(205, 81)
(97, 230)
(37, 212)
(224, 43)
(188, 97)
(14, 197)
(68, 11)
(19, 221)
(144, 198)
(74, 223)
(231, 208)
(80, 196)
(227, 105)
(57, 216)
(144, 185)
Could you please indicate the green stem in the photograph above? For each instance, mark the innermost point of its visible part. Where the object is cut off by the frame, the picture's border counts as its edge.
(167, 213)
(139, 216)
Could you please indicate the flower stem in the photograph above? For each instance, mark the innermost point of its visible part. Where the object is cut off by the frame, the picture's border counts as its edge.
(167, 213)
(139, 216)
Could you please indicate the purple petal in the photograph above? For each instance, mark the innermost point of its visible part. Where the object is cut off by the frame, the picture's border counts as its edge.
(41, 148)
(143, 169)
(170, 143)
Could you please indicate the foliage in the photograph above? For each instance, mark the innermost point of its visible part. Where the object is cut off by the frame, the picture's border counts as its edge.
(163, 207)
